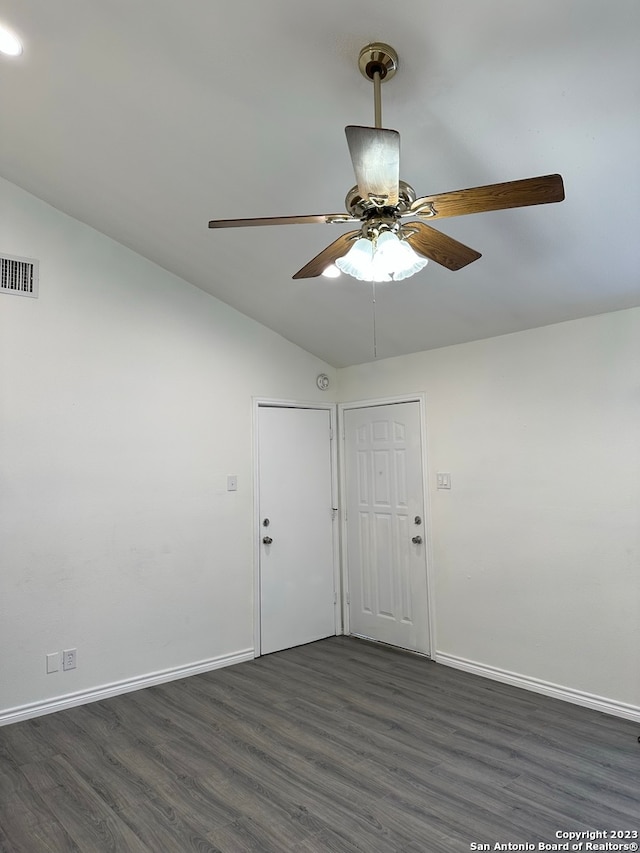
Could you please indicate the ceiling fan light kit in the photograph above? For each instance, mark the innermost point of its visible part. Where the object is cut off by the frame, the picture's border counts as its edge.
(382, 258)
(386, 247)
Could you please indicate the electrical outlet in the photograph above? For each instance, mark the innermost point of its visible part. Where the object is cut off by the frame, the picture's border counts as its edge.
(53, 662)
(69, 659)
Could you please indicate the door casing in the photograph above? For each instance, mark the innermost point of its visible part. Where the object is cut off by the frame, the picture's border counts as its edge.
(344, 574)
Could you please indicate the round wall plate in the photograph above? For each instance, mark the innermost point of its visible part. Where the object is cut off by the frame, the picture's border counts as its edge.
(378, 57)
(322, 381)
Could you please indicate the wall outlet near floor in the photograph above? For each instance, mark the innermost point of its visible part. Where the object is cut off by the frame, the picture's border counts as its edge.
(69, 659)
(53, 662)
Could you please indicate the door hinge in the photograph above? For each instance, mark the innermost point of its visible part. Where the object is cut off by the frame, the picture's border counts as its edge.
(335, 597)
(334, 513)
(330, 433)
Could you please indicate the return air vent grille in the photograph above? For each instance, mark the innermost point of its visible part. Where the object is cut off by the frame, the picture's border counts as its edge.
(18, 276)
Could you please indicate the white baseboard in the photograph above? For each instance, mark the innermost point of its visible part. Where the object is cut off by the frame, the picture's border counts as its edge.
(537, 685)
(106, 691)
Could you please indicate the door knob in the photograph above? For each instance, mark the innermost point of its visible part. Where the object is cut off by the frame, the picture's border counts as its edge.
(417, 540)
(267, 540)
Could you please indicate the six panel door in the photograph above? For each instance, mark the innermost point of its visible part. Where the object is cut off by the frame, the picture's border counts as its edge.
(386, 551)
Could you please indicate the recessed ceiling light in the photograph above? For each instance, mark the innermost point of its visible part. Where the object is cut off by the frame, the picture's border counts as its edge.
(331, 271)
(9, 42)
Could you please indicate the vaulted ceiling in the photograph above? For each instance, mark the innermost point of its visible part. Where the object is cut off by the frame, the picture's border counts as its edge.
(146, 119)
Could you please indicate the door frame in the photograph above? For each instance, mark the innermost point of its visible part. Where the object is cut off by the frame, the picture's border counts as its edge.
(370, 404)
(263, 402)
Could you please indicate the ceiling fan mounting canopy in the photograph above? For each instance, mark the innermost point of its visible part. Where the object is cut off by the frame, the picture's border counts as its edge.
(378, 57)
(381, 201)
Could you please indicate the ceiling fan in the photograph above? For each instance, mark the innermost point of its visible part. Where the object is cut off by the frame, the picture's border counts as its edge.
(394, 240)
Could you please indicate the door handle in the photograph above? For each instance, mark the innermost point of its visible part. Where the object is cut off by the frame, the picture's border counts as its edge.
(267, 540)
(417, 540)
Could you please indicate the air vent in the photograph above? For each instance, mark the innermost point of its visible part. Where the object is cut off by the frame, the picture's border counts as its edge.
(18, 276)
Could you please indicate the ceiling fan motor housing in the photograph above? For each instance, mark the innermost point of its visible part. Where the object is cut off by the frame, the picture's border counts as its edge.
(360, 208)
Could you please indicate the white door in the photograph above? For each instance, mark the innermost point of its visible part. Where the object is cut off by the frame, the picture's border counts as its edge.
(387, 569)
(297, 590)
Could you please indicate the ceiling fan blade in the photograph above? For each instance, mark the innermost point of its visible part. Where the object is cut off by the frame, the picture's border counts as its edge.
(282, 220)
(439, 247)
(327, 256)
(542, 190)
(375, 154)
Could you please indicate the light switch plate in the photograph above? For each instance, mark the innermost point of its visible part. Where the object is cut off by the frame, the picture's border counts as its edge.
(232, 483)
(443, 479)
(53, 662)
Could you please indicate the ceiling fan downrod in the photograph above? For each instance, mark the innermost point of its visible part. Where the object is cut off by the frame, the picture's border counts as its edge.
(378, 62)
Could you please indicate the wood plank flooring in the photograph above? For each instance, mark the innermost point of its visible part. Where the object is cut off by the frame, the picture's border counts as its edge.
(335, 747)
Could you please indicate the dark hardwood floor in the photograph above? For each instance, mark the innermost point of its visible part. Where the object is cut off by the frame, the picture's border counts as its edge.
(337, 746)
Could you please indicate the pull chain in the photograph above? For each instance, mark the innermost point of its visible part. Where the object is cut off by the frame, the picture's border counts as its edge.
(373, 305)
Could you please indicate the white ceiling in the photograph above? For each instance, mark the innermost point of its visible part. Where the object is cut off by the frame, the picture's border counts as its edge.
(145, 119)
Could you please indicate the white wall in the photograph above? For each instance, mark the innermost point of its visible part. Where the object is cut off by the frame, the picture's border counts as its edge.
(126, 400)
(537, 545)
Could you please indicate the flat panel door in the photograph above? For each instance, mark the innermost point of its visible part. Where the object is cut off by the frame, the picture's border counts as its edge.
(297, 595)
(387, 571)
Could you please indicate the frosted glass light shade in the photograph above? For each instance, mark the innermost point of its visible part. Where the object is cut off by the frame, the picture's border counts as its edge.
(389, 258)
(388, 254)
(397, 256)
(358, 260)
(413, 263)
(9, 42)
